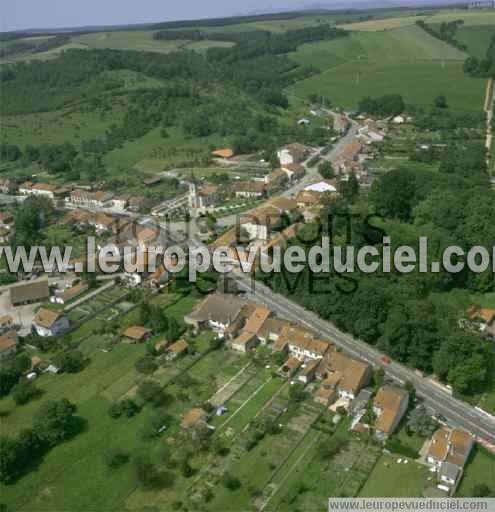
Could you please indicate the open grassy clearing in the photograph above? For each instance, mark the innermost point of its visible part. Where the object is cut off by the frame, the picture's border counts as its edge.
(480, 469)
(476, 38)
(60, 480)
(419, 82)
(474, 17)
(75, 123)
(391, 479)
(295, 23)
(141, 40)
(405, 44)
(127, 40)
(485, 17)
(383, 24)
(175, 150)
(405, 61)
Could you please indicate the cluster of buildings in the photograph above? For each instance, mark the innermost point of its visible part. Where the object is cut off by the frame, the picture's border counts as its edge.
(74, 196)
(447, 455)
(136, 334)
(277, 220)
(307, 357)
(337, 379)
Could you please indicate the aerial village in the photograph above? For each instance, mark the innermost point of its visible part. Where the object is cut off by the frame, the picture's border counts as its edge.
(335, 387)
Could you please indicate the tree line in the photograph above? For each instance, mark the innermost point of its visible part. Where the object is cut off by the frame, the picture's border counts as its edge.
(406, 315)
(482, 67)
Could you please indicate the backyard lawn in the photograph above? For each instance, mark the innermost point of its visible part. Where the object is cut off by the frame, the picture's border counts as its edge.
(480, 469)
(392, 479)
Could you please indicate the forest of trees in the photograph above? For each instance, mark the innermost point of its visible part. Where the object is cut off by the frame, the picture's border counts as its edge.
(388, 105)
(446, 32)
(33, 45)
(404, 314)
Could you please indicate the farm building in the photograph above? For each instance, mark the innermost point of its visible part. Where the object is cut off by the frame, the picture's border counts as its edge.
(137, 334)
(29, 292)
(49, 323)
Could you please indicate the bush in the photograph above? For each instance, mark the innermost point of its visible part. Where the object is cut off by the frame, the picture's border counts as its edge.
(395, 446)
(147, 474)
(231, 482)
(116, 457)
(326, 170)
(126, 407)
(70, 362)
(152, 393)
(146, 365)
(24, 392)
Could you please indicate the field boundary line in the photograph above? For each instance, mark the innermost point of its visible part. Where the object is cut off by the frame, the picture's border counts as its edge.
(244, 403)
(242, 370)
(279, 468)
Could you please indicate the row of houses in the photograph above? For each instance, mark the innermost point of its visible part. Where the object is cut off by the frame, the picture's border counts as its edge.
(244, 325)
(273, 182)
(136, 334)
(78, 197)
(447, 454)
(104, 199)
(340, 379)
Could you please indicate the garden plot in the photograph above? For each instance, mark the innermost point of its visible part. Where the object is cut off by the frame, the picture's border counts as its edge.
(309, 476)
(246, 403)
(255, 465)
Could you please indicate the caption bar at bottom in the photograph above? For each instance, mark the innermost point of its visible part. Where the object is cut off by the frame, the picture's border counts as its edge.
(412, 504)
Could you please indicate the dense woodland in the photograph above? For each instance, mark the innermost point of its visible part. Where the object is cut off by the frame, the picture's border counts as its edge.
(33, 45)
(405, 315)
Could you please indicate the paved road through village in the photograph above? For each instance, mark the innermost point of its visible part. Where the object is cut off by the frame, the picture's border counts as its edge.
(436, 398)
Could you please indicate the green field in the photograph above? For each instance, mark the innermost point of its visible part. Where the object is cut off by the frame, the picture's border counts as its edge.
(476, 38)
(480, 469)
(141, 40)
(471, 18)
(405, 61)
(419, 82)
(389, 478)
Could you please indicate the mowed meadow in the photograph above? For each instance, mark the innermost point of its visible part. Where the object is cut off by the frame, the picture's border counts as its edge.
(404, 60)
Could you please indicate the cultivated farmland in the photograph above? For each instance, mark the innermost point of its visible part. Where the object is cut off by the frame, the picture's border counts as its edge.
(405, 61)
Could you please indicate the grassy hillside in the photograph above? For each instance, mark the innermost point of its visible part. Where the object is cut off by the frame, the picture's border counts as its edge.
(471, 18)
(406, 61)
(476, 38)
(137, 40)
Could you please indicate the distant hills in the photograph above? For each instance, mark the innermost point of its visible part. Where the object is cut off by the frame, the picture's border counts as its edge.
(272, 12)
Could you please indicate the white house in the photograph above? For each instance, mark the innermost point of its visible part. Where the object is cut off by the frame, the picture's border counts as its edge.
(121, 202)
(321, 187)
(216, 312)
(50, 323)
(90, 199)
(292, 154)
(39, 189)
